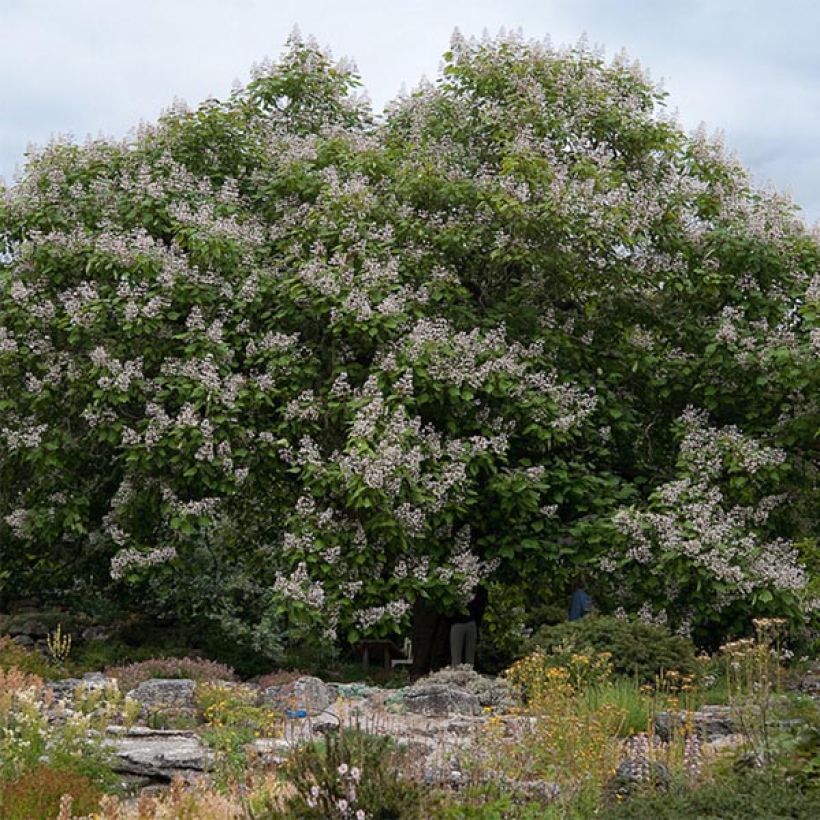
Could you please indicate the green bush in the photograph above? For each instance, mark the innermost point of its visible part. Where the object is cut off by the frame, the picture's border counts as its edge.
(13, 656)
(503, 627)
(637, 648)
(751, 796)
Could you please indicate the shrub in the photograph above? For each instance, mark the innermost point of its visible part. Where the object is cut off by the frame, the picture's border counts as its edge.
(197, 669)
(636, 648)
(570, 738)
(36, 795)
(351, 774)
(234, 720)
(750, 796)
(13, 656)
(279, 677)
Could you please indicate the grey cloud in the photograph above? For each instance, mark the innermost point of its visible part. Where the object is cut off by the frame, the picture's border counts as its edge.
(89, 66)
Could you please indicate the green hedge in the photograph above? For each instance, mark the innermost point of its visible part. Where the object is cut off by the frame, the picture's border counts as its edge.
(637, 648)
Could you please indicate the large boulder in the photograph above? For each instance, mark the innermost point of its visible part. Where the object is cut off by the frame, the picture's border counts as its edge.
(307, 694)
(490, 691)
(440, 700)
(158, 754)
(172, 697)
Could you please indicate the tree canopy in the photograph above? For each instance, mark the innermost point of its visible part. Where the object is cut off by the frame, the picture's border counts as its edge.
(286, 364)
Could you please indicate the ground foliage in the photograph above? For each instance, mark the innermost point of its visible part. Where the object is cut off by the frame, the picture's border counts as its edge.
(282, 365)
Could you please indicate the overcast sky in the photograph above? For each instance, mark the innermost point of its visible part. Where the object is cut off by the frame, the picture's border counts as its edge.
(747, 67)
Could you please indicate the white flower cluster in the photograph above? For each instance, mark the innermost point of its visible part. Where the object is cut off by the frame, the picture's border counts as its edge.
(128, 558)
(693, 521)
(298, 586)
(393, 611)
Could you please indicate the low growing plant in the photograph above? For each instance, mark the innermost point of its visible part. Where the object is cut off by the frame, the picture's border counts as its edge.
(13, 656)
(751, 795)
(58, 643)
(197, 669)
(28, 738)
(234, 719)
(39, 794)
(570, 738)
(351, 774)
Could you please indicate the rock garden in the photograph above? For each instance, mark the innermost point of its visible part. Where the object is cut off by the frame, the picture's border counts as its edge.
(560, 733)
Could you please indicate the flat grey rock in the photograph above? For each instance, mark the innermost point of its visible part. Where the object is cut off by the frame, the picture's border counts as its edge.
(159, 754)
(709, 723)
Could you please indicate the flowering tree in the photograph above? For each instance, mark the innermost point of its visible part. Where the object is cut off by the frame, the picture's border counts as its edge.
(334, 364)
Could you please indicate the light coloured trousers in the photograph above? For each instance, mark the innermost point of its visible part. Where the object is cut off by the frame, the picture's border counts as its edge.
(462, 643)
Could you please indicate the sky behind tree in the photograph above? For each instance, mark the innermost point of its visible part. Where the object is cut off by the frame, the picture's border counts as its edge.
(85, 67)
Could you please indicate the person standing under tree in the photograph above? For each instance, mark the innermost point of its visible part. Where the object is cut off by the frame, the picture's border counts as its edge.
(464, 630)
(581, 602)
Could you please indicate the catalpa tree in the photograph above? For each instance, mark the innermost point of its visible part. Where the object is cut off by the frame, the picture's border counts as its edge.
(293, 367)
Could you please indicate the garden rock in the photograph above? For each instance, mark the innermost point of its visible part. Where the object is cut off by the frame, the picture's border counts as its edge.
(31, 628)
(352, 691)
(709, 723)
(96, 633)
(490, 691)
(307, 693)
(66, 688)
(271, 750)
(325, 724)
(810, 682)
(440, 700)
(159, 754)
(172, 697)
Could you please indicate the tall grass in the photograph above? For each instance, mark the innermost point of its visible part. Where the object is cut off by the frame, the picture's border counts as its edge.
(625, 697)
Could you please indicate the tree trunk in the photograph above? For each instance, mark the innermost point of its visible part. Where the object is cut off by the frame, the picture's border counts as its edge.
(431, 639)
